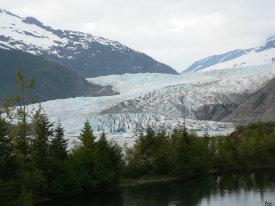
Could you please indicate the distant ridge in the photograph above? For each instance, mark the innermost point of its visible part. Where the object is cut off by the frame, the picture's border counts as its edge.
(216, 59)
(260, 55)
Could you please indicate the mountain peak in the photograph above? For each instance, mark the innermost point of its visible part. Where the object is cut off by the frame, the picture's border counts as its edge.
(267, 45)
(87, 55)
(260, 55)
(270, 38)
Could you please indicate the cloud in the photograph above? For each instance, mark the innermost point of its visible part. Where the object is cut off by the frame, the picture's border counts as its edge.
(175, 32)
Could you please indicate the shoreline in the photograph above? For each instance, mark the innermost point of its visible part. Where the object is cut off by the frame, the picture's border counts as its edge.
(172, 178)
(140, 181)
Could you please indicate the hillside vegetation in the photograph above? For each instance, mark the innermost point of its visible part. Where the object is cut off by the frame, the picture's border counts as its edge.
(52, 80)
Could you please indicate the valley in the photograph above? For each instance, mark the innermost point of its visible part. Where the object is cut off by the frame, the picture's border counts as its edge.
(82, 112)
(126, 90)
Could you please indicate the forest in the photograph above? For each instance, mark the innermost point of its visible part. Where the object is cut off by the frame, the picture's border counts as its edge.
(35, 160)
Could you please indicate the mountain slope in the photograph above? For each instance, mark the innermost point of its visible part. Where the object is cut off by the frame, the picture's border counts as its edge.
(216, 59)
(261, 55)
(87, 55)
(260, 106)
(52, 80)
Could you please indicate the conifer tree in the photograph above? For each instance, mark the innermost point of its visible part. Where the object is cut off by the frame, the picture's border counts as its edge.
(108, 161)
(86, 152)
(10, 169)
(102, 161)
(40, 144)
(86, 136)
(5, 143)
(58, 146)
(21, 113)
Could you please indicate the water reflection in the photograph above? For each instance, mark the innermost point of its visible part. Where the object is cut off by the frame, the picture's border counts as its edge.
(246, 187)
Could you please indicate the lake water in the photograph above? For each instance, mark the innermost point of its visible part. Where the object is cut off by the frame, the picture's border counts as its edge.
(241, 187)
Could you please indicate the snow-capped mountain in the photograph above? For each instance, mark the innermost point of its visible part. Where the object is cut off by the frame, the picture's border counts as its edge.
(87, 55)
(261, 55)
(216, 59)
(159, 100)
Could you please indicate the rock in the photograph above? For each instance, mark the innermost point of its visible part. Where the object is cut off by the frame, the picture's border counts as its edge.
(260, 106)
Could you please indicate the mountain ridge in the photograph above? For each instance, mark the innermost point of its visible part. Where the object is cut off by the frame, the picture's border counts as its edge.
(215, 59)
(260, 55)
(87, 55)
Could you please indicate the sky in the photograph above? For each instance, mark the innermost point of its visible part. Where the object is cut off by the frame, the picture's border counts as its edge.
(174, 32)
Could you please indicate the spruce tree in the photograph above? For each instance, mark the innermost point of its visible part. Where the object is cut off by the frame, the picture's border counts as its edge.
(58, 146)
(108, 161)
(5, 143)
(86, 152)
(40, 145)
(10, 169)
(86, 136)
(102, 161)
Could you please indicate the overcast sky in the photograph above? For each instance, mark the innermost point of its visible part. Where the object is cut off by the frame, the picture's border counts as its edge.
(174, 32)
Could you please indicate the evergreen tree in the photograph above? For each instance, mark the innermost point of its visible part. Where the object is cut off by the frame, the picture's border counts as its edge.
(40, 144)
(5, 143)
(86, 154)
(108, 161)
(87, 137)
(58, 146)
(21, 99)
(102, 161)
(10, 169)
(145, 144)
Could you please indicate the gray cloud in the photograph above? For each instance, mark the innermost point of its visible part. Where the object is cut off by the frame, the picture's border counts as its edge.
(175, 32)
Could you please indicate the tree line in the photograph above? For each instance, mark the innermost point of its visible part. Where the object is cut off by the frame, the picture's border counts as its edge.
(35, 160)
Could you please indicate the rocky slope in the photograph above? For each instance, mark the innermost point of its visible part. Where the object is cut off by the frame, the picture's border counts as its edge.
(87, 55)
(52, 80)
(260, 106)
(216, 112)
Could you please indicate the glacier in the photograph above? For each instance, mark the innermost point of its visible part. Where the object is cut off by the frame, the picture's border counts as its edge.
(162, 101)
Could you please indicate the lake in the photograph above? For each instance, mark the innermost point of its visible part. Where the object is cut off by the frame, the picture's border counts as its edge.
(250, 187)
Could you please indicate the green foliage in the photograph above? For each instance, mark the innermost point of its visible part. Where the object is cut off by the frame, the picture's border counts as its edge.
(58, 146)
(87, 137)
(52, 80)
(40, 142)
(183, 153)
(25, 199)
(67, 177)
(102, 160)
(10, 169)
(86, 154)
(20, 113)
(35, 180)
(5, 142)
(108, 161)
